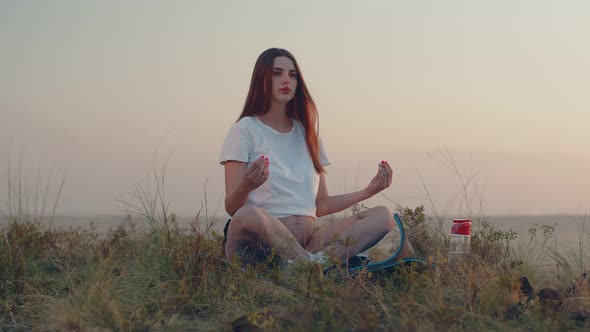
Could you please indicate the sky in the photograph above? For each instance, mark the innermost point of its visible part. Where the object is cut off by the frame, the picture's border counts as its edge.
(481, 107)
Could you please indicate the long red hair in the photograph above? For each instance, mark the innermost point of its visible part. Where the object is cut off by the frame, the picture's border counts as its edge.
(301, 107)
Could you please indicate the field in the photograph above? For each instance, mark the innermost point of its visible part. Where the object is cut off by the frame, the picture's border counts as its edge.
(153, 272)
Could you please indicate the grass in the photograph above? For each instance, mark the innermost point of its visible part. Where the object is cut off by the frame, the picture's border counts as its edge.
(165, 277)
(73, 279)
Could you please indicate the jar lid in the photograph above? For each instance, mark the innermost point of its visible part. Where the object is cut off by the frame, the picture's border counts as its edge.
(461, 227)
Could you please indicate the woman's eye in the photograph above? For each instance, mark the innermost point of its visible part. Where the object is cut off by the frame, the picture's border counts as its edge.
(293, 75)
(276, 73)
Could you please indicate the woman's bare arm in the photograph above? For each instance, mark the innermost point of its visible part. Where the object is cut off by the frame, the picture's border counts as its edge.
(326, 204)
(240, 181)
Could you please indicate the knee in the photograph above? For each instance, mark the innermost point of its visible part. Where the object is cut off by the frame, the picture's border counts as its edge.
(248, 218)
(386, 215)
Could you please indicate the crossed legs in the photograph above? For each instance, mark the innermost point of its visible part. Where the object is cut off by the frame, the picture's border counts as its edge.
(253, 229)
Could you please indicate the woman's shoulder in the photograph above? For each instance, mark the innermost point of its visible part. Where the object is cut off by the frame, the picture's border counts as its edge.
(246, 122)
(299, 125)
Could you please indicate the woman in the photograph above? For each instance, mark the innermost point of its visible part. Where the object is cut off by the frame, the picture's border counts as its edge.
(275, 179)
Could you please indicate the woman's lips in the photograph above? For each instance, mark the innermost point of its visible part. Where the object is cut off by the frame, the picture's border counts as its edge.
(285, 90)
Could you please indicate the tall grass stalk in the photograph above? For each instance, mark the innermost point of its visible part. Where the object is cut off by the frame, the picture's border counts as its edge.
(31, 201)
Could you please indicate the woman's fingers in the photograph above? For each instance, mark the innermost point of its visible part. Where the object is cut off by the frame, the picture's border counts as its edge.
(386, 174)
(257, 166)
(379, 177)
(265, 167)
(265, 173)
(253, 168)
(389, 173)
(385, 177)
(262, 171)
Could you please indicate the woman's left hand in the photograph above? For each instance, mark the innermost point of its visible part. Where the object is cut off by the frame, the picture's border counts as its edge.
(382, 180)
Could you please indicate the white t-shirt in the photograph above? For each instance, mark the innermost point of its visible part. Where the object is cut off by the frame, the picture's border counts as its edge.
(293, 182)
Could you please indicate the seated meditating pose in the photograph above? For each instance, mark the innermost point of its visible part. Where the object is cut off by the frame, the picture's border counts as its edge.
(275, 179)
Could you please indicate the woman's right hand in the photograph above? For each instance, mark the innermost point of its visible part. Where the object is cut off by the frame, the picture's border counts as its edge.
(256, 174)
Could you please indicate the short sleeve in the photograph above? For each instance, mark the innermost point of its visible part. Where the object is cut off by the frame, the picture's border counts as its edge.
(237, 145)
(324, 160)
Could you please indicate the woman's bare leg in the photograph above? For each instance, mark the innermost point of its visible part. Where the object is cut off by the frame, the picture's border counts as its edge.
(252, 229)
(355, 234)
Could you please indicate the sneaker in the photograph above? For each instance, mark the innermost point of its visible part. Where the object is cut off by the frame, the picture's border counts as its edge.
(319, 257)
(358, 260)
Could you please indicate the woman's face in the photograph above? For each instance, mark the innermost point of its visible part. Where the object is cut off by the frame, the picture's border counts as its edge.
(284, 80)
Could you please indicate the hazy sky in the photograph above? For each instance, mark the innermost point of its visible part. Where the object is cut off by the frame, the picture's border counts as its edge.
(93, 90)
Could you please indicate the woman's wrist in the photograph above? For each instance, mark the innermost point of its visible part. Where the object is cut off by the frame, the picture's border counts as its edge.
(366, 194)
(240, 194)
(236, 200)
